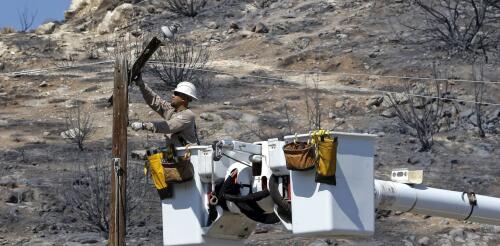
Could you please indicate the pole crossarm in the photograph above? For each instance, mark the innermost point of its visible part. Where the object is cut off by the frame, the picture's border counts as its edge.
(143, 58)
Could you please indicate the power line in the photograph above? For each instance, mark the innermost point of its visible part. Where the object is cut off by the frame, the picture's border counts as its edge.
(41, 70)
(362, 74)
(35, 71)
(347, 90)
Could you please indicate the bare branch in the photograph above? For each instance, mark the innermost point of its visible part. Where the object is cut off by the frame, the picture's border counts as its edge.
(421, 114)
(312, 103)
(464, 26)
(189, 8)
(87, 192)
(79, 127)
(26, 18)
(179, 61)
(478, 74)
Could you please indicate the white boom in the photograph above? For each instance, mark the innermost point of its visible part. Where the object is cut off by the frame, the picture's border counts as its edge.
(436, 202)
(251, 183)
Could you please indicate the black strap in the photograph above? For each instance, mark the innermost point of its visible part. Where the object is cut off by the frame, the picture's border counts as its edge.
(196, 134)
(284, 207)
(471, 196)
(251, 197)
(247, 204)
(182, 140)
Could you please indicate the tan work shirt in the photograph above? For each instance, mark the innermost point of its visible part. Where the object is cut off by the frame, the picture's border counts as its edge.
(179, 127)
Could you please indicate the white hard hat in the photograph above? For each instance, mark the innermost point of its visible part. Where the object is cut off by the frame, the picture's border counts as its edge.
(186, 88)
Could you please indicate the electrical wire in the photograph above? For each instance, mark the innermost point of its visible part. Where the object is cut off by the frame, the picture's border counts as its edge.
(35, 71)
(356, 74)
(42, 70)
(346, 90)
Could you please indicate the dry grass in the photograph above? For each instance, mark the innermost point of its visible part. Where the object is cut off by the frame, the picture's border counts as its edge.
(7, 30)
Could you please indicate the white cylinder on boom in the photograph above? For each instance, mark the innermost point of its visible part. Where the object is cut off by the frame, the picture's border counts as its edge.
(437, 202)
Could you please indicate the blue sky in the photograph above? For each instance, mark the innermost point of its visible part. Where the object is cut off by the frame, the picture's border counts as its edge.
(46, 9)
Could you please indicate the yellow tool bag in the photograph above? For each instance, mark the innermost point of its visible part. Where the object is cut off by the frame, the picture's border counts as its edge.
(179, 169)
(299, 156)
(155, 157)
(327, 157)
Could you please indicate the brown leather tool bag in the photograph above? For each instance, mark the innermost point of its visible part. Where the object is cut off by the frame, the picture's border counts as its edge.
(180, 170)
(299, 156)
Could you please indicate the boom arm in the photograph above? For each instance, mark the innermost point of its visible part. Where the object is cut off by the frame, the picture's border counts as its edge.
(437, 202)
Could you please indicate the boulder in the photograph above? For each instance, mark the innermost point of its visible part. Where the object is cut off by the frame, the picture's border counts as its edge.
(4, 49)
(43, 84)
(115, 18)
(388, 113)
(496, 229)
(231, 115)
(34, 140)
(83, 8)
(375, 101)
(260, 28)
(91, 88)
(407, 242)
(71, 133)
(263, 3)
(234, 26)
(457, 232)
(319, 242)
(413, 160)
(471, 236)
(208, 116)
(212, 25)
(76, 5)
(46, 28)
(399, 98)
(19, 195)
(4, 123)
(57, 100)
(423, 241)
(73, 103)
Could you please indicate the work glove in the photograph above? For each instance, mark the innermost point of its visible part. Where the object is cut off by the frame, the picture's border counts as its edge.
(138, 81)
(136, 126)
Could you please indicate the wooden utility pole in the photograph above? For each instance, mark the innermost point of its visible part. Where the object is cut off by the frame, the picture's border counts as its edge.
(119, 98)
(119, 164)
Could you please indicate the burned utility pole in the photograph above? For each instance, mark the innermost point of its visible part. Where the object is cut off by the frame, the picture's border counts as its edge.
(119, 164)
(122, 78)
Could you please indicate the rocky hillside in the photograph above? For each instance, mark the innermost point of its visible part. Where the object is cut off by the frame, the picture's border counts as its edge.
(261, 52)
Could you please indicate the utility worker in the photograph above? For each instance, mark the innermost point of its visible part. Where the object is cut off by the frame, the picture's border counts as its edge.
(179, 121)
